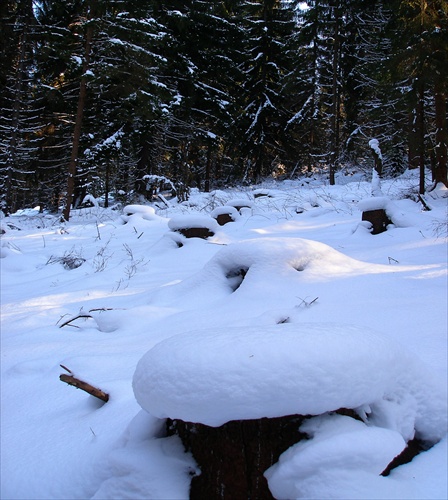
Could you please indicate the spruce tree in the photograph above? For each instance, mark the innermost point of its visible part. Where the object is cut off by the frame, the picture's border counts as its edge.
(19, 102)
(269, 26)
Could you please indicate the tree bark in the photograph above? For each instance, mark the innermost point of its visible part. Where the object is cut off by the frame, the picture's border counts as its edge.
(234, 457)
(440, 170)
(73, 164)
(143, 168)
(420, 117)
(84, 386)
(208, 166)
(336, 97)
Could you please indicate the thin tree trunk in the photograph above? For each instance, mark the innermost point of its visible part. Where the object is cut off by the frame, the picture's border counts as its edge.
(334, 124)
(107, 182)
(208, 166)
(73, 164)
(412, 141)
(143, 167)
(440, 170)
(420, 125)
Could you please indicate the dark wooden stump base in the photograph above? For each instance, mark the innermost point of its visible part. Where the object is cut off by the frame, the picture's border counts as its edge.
(196, 232)
(224, 219)
(234, 457)
(378, 219)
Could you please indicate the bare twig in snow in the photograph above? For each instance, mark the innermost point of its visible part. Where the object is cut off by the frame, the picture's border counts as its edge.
(305, 303)
(82, 315)
(84, 386)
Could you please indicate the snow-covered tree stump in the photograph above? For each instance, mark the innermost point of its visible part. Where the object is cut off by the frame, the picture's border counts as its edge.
(239, 397)
(378, 218)
(261, 193)
(194, 226)
(376, 210)
(234, 456)
(196, 232)
(225, 214)
(240, 203)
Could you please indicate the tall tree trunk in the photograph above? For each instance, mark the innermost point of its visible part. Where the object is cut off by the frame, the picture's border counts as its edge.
(143, 168)
(413, 156)
(208, 166)
(72, 167)
(335, 103)
(420, 126)
(440, 170)
(107, 182)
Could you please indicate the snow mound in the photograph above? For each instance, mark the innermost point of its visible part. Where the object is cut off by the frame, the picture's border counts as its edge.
(375, 203)
(225, 210)
(27, 212)
(141, 211)
(131, 472)
(240, 202)
(402, 213)
(192, 221)
(282, 255)
(338, 444)
(225, 374)
(257, 193)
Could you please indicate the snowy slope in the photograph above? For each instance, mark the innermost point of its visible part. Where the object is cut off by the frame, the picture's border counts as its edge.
(310, 266)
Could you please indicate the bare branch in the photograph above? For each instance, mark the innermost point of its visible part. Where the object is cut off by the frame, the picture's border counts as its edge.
(82, 315)
(84, 386)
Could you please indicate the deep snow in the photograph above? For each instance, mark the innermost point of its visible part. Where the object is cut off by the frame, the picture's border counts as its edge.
(296, 281)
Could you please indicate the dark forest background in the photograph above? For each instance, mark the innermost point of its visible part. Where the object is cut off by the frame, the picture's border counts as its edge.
(119, 99)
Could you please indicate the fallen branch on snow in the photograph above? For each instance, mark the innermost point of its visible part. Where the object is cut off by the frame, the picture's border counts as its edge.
(84, 386)
(83, 315)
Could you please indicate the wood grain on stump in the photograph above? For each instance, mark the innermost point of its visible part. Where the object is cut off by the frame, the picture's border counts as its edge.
(234, 456)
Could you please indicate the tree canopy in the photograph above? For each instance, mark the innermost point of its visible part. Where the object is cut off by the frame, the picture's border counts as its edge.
(99, 96)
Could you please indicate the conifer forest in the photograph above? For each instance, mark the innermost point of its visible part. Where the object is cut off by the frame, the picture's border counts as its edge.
(120, 99)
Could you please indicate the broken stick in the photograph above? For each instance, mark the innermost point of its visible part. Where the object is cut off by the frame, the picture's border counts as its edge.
(84, 386)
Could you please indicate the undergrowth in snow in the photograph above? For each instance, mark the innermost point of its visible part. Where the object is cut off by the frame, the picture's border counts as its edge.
(294, 307)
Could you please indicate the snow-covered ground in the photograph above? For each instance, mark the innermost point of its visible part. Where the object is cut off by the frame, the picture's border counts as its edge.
(293, 307)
